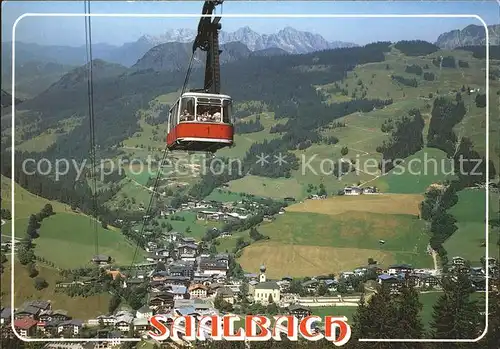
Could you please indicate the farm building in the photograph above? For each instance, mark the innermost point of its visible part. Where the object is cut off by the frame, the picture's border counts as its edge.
(101, 259)
(26, 327)
(353, 191)
(369, 190)
(299, 311)
(218, 216)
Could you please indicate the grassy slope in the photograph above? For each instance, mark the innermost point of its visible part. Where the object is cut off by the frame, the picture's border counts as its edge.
(68, 239)
(427, 299)
(244, 141)
(78, 307)
(338, 234)
(362, 132)
(197, 228)
(414, 176)
(470, 214)
(75, 239)
(25, 204)
(278, 188)
(48, 137)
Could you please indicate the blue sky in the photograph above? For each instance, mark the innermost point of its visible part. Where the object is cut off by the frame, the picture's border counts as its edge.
(116, 31)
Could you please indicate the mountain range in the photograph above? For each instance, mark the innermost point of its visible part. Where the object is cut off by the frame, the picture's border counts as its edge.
(37, 66)
(472, 35)
(288, 39)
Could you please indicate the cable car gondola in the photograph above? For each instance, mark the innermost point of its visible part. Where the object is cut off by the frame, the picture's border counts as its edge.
(202, 120)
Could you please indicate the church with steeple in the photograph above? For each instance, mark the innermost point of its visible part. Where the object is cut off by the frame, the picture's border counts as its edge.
(264, 291)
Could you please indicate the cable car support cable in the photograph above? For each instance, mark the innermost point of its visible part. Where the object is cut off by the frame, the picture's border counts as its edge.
(148, 209)
(90, 88)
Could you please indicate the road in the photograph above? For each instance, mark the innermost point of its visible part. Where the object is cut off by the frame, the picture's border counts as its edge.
(434, 258)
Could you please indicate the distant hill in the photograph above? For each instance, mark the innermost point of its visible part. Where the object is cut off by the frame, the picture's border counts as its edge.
(32, 77)
(6, 99)
(100, 70)
(472, 35)
(271, 51)
(118, 96)
(174, 56)
(129, 53)
(28, 52)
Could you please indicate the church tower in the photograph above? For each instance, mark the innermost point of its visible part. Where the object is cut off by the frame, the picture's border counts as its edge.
(262, 275)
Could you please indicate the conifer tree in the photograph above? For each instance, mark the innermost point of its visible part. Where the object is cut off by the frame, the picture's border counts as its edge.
(409, 323)
(455, 315)
(377, 319)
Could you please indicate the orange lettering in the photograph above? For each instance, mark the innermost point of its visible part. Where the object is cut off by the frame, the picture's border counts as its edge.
(305, 328)
(184, 325)
(213, 329)
(228, 329)
(290, 330)
(331, 325)
(255, 323)
(163, 332)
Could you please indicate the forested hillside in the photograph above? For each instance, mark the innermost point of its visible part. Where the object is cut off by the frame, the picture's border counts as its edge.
(271, 79)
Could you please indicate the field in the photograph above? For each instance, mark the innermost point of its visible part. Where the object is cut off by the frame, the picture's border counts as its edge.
(333, 235)
(221, 195)
(379, 203)
(277, 188)
(197, 227)
(78, 307)
(131, 195)
(468, 240)
(362, 133)
(340, 232)
(377, 80)
(303, 260)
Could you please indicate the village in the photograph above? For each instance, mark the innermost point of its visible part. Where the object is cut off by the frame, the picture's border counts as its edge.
(189, 281)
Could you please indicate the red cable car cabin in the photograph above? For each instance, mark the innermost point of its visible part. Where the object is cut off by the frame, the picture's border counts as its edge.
(200, 122)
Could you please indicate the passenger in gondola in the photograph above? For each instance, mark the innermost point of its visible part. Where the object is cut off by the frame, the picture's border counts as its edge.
(200, 116)
(185, 115)
(216, 117)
